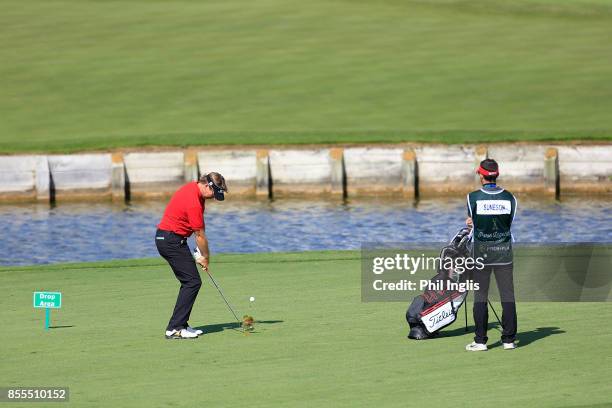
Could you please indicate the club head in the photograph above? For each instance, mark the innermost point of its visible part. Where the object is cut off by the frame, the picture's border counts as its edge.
(248, 323)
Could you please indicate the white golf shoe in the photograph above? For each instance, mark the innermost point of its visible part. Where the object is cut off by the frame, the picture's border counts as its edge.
(180, 334)
(196, 331)
(509, 346)
(473, 346)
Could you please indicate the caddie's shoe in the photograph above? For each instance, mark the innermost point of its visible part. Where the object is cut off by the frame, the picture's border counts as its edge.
(196, 331)
(180, 334)
(509, 346)
(473, 346)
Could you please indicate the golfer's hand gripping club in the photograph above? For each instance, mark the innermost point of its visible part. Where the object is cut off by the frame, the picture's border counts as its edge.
(201, 260)
(202, 254)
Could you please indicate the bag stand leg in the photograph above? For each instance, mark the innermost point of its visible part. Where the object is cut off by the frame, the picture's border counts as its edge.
(495, 313)
(465, 309)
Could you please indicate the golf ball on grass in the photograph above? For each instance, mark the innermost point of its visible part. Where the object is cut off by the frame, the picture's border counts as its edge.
(252, 298)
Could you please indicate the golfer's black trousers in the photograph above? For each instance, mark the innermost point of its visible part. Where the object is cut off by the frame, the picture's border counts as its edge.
(175, 250)
(505, 284)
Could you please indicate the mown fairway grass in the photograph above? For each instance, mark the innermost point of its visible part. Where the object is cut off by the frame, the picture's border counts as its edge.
(78, 75)
(318, 344)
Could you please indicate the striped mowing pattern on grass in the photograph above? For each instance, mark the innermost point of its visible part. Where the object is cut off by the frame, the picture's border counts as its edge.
(106, 74)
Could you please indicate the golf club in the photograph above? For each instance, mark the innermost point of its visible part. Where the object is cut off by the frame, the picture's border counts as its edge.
(224, 298)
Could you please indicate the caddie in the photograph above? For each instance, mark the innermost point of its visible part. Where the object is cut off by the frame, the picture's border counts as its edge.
(491, 211)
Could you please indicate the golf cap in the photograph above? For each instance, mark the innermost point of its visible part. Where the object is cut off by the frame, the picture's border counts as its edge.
(218, 191)
(489, 168)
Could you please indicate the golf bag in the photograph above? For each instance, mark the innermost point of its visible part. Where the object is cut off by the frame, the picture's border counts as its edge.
(436, 309)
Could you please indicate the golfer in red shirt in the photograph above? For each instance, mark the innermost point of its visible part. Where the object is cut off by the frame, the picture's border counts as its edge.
(184, 215)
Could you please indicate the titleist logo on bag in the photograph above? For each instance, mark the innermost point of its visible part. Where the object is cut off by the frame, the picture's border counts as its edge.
(443, 313)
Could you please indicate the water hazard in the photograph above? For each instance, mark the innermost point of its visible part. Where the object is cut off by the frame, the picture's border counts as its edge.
(76, 232)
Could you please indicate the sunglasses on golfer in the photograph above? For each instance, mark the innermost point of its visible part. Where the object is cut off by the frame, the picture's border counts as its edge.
(218, 191)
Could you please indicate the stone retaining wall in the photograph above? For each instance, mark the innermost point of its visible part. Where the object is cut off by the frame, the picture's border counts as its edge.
(406, 170)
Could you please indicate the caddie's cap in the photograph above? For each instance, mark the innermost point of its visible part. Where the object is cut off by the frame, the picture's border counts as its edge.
(489, 168)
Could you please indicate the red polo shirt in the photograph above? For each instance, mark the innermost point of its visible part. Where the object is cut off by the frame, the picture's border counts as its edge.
(185, 211)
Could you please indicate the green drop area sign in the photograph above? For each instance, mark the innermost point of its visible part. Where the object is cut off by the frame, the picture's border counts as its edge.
(51, 300)
(48, 301)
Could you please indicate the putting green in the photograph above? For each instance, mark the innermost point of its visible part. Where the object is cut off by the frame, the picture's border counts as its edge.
(80, 75)
(316, 343)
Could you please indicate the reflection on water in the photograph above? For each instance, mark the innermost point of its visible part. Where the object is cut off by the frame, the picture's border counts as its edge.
(74, 232)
